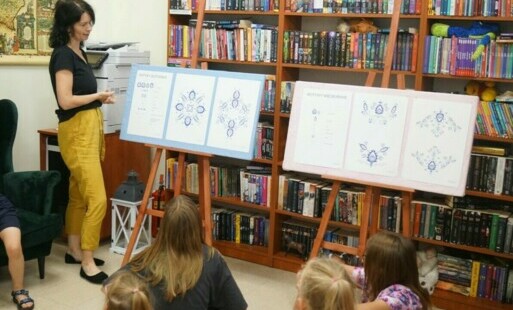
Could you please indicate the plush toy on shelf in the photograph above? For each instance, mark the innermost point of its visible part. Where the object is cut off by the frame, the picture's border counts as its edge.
(427, 264)
(486, 91)
(485, 32)
(357, 25)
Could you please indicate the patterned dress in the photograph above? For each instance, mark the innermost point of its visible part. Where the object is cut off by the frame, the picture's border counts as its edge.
(397, 296)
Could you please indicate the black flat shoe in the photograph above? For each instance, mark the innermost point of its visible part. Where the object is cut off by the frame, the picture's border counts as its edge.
(95, 279)
(69, 259)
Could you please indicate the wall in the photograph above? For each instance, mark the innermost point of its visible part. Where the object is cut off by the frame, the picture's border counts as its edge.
(30, 88)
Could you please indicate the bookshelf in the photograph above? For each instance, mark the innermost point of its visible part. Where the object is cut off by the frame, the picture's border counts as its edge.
(285, 21)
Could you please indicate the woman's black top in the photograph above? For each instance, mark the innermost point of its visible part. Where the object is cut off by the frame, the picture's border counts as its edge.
(84, 81)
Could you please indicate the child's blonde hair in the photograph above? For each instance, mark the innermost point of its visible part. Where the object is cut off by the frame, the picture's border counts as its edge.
(323, 284)
(127, 291)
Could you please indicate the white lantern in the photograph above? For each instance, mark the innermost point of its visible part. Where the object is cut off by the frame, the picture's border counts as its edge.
(125, 207)
(124, 215)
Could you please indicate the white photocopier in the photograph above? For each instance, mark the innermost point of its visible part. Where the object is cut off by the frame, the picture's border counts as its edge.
(111, 66)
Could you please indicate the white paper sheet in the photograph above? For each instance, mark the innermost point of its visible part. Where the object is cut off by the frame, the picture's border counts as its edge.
(190, 108)
(149, 103)
(324, 118)
(376, 134)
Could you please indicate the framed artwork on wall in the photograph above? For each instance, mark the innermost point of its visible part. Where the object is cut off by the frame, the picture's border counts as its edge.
(24, 31)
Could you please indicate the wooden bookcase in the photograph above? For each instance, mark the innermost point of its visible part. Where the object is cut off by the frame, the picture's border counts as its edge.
(273, 255)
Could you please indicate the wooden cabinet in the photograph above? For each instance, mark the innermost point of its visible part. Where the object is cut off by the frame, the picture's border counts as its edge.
(283, 69)
(121, 156)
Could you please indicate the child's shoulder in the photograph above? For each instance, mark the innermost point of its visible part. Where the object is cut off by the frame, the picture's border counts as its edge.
(399, 297)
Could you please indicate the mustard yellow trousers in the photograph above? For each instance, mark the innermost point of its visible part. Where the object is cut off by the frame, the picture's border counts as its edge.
(81, 143)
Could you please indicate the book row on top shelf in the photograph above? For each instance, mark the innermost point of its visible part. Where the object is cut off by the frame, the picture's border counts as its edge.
(308, 6)
(486, 8)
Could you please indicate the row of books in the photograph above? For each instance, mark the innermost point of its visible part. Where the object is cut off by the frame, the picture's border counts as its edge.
(490, 174)
(453, 56)
(352, 6)
(264, 141)
(287, 91)
(297, 238)
(351, 50)
(492, 280)
(226, 41)
(344, 237)
(269, 95)
(251, 185)
(389, 215)
(491, 229)
(240, 227)
(502, 8)
(309, 197)
(225, 5)
(494, 119)
(255, 188)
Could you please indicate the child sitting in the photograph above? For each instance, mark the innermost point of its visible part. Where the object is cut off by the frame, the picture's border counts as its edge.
(323, 284)
(389, 277)
(126, 291)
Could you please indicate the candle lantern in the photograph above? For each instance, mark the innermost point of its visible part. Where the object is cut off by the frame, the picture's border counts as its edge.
(125, 207)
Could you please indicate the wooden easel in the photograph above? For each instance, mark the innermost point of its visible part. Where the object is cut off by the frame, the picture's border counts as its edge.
(373, 191)
(203, 167)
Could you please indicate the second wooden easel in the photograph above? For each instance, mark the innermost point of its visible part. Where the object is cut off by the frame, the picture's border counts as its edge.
(203, 166)
(370, 208)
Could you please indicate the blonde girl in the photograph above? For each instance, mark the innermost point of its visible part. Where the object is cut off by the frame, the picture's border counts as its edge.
(127, 291)
(323, 284)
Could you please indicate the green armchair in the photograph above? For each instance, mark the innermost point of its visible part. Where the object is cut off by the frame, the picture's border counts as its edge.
(31, 192)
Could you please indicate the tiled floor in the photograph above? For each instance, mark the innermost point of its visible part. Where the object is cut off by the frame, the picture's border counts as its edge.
(62, 288)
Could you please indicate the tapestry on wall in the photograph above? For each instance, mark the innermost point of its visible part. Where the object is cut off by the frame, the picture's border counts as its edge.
(24, 31)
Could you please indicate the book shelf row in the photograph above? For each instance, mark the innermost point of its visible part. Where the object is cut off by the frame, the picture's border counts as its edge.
(488, 228)
(240, 227)
(485, 8)
(352, 6)
(494, 119)
(488, 279)
(351, 50)
(309, 197)
(501, 8)
(490, 174)
(256, 44)
(175, 6)
(453, 56)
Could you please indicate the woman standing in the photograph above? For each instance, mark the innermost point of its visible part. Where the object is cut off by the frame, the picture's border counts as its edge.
(80, 133)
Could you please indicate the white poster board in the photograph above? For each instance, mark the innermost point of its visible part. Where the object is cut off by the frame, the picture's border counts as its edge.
(207, 111)
(402, 138)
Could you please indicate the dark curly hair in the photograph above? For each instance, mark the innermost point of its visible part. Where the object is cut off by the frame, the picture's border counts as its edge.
(66, 14)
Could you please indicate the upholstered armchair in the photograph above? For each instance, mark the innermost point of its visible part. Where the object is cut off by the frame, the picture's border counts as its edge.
(31, 192)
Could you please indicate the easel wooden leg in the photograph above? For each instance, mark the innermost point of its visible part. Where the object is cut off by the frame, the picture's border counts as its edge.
(373, 203)
(204, 197)
(142, 208)
(406, 205)
(370, 212)
(325, 219)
